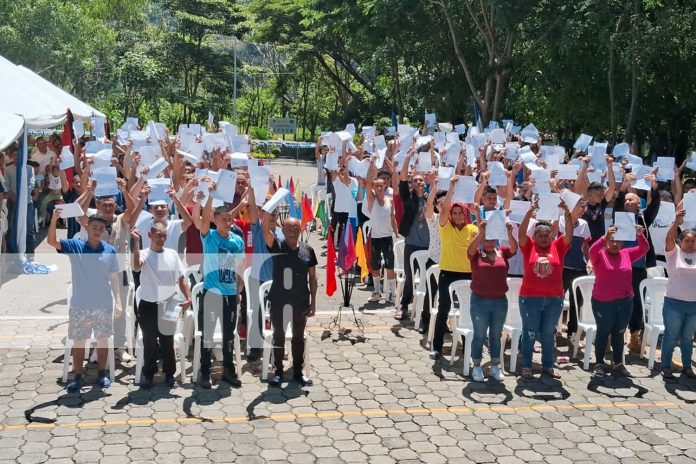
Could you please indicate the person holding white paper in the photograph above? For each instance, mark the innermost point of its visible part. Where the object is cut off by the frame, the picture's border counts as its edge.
(413, 226)
(320, 151)
(383, 227)
(597, 198)
(343, 185)
(679, 310)
(541, 294)
(489, 305)
(630, 202)
(54, 189)
(612, 294)
(161, 271)
(456, 233)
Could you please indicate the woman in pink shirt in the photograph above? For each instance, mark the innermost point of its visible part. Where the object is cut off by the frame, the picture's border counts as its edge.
(612, 295)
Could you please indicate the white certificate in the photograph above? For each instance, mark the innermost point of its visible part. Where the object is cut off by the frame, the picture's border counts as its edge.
(465, 190)
(444, 174)
(70, 210)
(226, 186)
(277, 197)
(106, 181)
(548, 207)
(498, 174)
(567, 172)
(156, 169)
(625, 226)
(518, 209)
(495, 225)
(690, 206)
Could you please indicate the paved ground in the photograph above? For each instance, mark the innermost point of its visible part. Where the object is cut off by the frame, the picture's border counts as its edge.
(377, 398)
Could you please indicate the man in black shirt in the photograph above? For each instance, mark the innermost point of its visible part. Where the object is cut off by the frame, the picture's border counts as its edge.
(292, 295)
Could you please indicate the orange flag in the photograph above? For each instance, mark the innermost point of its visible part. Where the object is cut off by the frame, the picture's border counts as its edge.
(361, 255)
(330, 266)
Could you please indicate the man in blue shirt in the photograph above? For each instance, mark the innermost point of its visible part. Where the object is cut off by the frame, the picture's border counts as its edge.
(223, 250)
(95, 298)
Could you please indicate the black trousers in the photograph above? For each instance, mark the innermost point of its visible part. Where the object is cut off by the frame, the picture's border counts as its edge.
(407, 291)
(637, 321)
(299, 322)
(149, 324)
(444, 304)
(612, 318)
(214, 306)
(569, 275)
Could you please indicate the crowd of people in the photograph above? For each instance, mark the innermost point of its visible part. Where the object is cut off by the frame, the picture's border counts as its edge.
(485, 205)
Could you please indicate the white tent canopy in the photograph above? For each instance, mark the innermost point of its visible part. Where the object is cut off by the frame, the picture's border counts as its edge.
(11, 127)
(40, 103)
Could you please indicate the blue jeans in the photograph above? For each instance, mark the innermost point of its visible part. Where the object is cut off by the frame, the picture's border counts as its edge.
(540, 316)
(680, 324)
(488, 316)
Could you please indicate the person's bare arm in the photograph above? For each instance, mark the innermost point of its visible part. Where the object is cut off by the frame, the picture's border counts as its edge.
(524, 225)
(447, 201)
(671, 240)
(268, 229)
(136, 262)
(253, 209)
(51, 236)
(115, 285)
(207, 213)
(186, 291)
(430, 202)
(611, 187)
(181, 209)
(568, 232)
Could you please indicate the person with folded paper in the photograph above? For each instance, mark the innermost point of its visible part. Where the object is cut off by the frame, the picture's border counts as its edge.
(679, 310)
(629, 201)
(343, 185)
(541, 293)
(612, 294)
(489, 305)
(456, 233)
(596, 196)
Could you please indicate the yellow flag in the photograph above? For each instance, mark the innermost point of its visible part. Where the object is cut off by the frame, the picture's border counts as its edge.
(360, 254)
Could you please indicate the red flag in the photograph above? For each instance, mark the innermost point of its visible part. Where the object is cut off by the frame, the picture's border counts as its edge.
(330, 266)
(292, 187)
(346, 250)
(307, 215)
(280, 182)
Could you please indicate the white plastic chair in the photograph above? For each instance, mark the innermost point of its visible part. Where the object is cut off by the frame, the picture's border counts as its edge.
(657, 271)
(36, 220)
(585, 317)
(418, 260)
(433, 272)
(268, 333)
(179, 343)
(67, 357)
(652, 289)
(250, 298)
(216, 338)
(465, 326)
(513, 324)
(399, 247)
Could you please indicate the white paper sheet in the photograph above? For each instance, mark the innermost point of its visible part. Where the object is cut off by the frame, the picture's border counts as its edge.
(359, 168)
(553, 160)
(567, 172)
(640, 183)
(98, 127)
(344, 135)
(275, 200)
(226, 186)
(67, 160)
(331, 162)
(665, 171)
(518, 209)
(240, 144)
(102, 159)
(78, 126)
(465, 190)
(542, 179)
(156, 169)
(498, 174)
(144, 222)
(158, 189)
(582, 142)
(460, 129)
(106, 181)
(690, 206)
(444, 174)
(626, 226)
(239, 160)
(70, 210)
(620, 150)
(425, 163)
(665, 215)
(571, 199)
(548, 207)
(452, 153)
(495, 225)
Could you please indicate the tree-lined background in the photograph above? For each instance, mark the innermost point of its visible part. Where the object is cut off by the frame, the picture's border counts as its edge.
(617, 69)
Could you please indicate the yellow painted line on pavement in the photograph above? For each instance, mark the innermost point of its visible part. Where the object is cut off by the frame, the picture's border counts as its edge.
(285, 417)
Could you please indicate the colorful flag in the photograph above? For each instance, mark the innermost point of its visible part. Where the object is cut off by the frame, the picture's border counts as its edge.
(307, 214)
(67, 141)
(321, 214)
(291, 186)
(280, 182)
(330, 269)
(292, 209)
(346, 250)
(361, 255)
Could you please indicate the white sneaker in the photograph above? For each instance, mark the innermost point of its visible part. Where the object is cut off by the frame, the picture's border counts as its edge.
(123, 356)
(374, 297)
(497, 373)
(477, 374)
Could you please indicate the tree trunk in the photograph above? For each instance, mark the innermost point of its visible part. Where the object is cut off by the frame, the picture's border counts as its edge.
(397, 90)
(635, 78)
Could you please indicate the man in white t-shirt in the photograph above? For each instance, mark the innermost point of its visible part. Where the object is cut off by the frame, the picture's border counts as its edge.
(382, 227)
(343, 202)
(161, 270)
(42, 154)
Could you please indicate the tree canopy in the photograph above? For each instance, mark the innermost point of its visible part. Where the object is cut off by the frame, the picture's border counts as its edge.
(619, 69)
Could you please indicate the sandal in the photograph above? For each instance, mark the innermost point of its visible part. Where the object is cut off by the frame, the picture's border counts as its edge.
(553, 373)
(527, 374)
(667, 374)
(689, 373)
